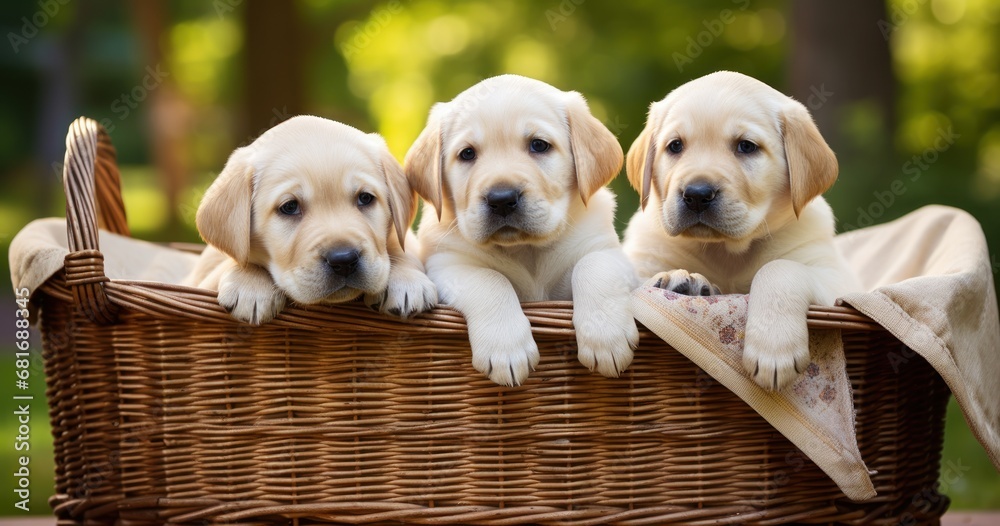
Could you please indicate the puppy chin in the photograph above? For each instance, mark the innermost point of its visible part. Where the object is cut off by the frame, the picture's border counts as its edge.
(710, 226)
(319, 294)
(684, 224)
(505, 236)
(342, 295)
(535, 228)
(703, 232)
(323, 288)
(510, 236)
(373, 281)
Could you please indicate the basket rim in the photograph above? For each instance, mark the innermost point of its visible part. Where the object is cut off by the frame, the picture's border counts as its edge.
(548, 318)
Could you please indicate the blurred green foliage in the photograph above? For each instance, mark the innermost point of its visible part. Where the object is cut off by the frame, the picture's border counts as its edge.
(380, 65)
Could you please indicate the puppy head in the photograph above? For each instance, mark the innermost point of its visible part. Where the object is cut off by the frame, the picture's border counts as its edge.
(314, 202)
(727, 158)
(508, 156)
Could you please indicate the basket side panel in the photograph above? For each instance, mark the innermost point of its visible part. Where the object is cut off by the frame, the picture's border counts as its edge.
(56, 323)
(277, 422)
(82, 389)
(370, 423)
(140, 344)
(900, 404)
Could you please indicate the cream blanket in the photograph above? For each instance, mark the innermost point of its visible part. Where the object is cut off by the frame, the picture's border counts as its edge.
(38, 251)
(931, 285)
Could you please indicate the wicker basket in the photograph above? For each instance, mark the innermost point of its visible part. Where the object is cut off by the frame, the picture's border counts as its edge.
(166, 410)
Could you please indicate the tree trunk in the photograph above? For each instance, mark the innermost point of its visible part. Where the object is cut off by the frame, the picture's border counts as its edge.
(169, 114)
(273, 59)
(841, 69)
(840, 57)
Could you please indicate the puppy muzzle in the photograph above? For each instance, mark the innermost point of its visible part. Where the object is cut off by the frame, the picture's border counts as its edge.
(699, 197)
(343, 269)
(503, 201)
(505, 211)
(697, 210)
(343, 261)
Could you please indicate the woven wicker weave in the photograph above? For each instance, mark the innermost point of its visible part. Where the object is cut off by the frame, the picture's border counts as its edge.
(165, 410)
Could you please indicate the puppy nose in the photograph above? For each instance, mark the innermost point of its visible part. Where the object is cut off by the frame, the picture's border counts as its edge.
(698, 197)
(503, 201)
(343, 261)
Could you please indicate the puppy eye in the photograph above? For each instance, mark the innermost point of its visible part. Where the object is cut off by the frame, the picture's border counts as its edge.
(539, 146)
(675, 146)
(290, 208)
(467, 154)
(365, 199)
(746, 146)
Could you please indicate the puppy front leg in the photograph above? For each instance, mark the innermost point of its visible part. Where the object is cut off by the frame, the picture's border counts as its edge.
(499, 333)
(409, 290)
(606, 334)
(249, 293)
(776, 347)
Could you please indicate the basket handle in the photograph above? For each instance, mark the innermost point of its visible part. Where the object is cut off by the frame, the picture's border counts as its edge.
(92, 184)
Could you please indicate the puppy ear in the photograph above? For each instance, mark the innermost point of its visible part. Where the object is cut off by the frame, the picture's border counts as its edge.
(812, 165)
(402, 199)
(642, 153)
(224, 217)
(597, 156)
(424, 163)
(639, 166)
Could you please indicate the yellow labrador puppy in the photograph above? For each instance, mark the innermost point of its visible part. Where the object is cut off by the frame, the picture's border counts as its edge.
(307, 212)
(730, 173)
(512, 172)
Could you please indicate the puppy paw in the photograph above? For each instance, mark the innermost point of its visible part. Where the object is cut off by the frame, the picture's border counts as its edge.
(506, 356)
(250, 295)
(775, 353)
(684, 282)
(606, 339)
(409, 292)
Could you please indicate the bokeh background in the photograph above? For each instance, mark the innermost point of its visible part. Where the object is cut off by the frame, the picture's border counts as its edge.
(906, 91)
